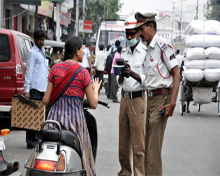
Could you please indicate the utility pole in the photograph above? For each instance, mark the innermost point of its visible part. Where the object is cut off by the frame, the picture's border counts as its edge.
(36, 18)
(58, 21)
(172, 21)
(84, 4)
(181, 13)
(107, 8)
(173, 16)
(197, 9)
(77, 18)
(1, 12)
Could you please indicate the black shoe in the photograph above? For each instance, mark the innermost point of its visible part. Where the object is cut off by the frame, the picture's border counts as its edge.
(115, 101)
(184, 108)
(30, 146)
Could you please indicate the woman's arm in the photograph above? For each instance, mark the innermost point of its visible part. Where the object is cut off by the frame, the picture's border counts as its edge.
(92, 93)
(46, 99)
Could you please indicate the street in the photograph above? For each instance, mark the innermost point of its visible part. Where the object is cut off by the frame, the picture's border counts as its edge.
(191, 144)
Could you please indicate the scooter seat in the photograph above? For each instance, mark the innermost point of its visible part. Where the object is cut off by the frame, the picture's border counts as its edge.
(67, 137)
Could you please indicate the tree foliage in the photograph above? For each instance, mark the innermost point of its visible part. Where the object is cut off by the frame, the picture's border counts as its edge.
(213, 10)
(96, 10)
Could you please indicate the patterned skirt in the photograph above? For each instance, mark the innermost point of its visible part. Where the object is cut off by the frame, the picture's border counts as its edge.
(69, 112)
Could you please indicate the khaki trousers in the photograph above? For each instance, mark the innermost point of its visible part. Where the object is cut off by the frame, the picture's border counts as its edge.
(155, 128)
(132, 119)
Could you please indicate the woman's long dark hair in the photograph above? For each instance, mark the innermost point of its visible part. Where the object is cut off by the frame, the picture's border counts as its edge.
(71, 45)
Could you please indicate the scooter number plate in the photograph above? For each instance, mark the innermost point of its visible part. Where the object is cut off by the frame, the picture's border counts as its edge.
(2, 144)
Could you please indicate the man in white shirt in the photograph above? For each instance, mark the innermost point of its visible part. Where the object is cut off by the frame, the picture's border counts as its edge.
(36, 79)
(87, 63)
(100, 63)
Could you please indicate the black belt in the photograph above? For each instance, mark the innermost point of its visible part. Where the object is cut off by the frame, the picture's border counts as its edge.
(160, 91)
(132, 95)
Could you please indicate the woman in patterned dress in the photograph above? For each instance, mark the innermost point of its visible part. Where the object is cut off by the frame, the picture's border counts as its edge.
(68, 109)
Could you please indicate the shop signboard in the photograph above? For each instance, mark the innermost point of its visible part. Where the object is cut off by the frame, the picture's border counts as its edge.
(46, 8)
(85, 26)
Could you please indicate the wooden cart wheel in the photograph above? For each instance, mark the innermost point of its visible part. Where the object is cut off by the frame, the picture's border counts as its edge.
(218, 100)
(182, 101)
(199, 107)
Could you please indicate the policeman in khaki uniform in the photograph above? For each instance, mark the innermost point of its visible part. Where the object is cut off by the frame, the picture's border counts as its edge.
(162, 85)
(132, 115)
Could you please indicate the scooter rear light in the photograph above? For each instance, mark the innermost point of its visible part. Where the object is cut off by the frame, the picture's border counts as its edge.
(4, 132)
(45, 165)
(61, 163)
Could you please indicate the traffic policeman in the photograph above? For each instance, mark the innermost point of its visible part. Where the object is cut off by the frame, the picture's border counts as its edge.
(132, 117)
(162, 85)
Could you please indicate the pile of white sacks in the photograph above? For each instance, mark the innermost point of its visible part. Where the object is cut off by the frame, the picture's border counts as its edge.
(202, 60)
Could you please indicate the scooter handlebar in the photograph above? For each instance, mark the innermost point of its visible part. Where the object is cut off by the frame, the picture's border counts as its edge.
(103, 103)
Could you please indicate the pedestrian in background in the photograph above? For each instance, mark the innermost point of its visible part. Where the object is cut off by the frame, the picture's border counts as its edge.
(54, 55)
(179, 58)
(61, 55)
(108, 67)
(86, 62)
(108, 51)
(132, 117)
(88, 45)
(35, 83)
(162, 84)
(100, 63)
(117, 44)
(114, 83)
(68, 109)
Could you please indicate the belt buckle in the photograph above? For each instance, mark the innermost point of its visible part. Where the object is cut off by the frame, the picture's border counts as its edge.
(150, 93)
(126, 95)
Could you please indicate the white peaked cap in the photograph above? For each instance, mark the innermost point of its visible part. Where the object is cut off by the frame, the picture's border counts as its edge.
(130, 22)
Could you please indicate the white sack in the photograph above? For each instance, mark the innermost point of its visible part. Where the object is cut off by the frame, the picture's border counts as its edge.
(194, 64)
(198, 27)
(213, 53)
(203, 41)
(209, 63)
(196, 53)
(215, 26)
(202, 64)
(212, 75)
(193, 75)
(202, 94)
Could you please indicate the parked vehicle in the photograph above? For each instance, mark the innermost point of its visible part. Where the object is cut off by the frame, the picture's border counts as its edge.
(14, 47)
(110, 31)
(7, 167)
(58, 152)
(48, 45)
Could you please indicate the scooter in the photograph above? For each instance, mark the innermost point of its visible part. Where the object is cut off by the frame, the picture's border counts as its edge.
(58, 152)
(7, 167)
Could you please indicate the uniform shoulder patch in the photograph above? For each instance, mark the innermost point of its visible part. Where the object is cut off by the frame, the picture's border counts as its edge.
(162, 44)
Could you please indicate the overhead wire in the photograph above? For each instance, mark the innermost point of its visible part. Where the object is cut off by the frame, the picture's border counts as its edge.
(14, 15)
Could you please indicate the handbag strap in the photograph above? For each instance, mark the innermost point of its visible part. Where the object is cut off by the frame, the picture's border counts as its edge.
(68, 83)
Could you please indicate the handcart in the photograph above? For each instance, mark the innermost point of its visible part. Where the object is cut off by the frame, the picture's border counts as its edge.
(188, 90)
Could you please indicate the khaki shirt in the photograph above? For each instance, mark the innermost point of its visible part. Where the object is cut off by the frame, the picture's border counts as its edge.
(135, 60)
(158, 72)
